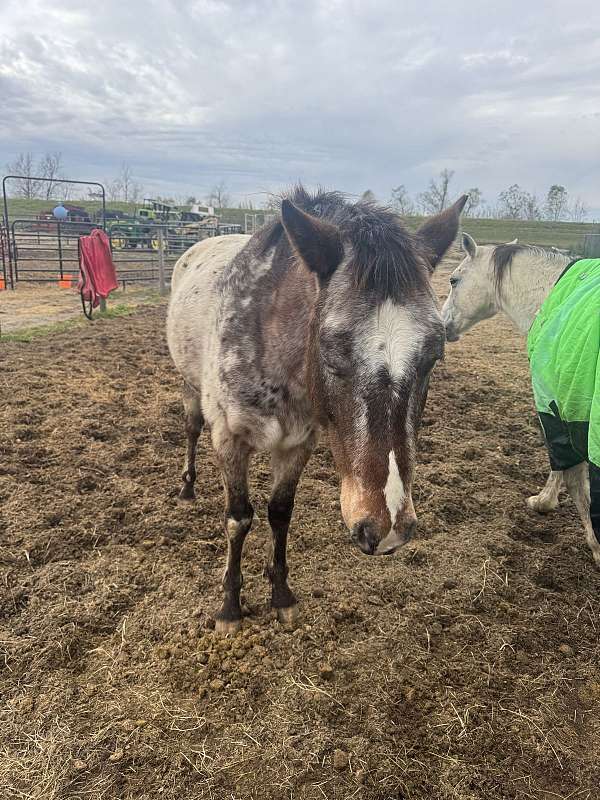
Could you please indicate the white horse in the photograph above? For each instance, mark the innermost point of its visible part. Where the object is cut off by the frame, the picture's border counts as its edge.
(515, 279)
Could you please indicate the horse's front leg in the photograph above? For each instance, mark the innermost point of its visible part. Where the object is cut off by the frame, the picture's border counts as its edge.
(233, 457)
(287, 467)
(547, 499)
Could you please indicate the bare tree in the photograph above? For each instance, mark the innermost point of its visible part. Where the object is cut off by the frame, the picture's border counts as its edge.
(512, 202)
(474, 204)
(578, 211)
(556, 205)
(113, 190)
(130, 188)
(271, 203)
(219, 196)
(50, 167)
(24, 166)
(402, 202)
(436, 197)
(124, 186)
(532, 207)
(486, 211)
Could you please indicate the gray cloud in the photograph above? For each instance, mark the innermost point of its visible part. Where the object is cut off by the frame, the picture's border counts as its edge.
(346, 94)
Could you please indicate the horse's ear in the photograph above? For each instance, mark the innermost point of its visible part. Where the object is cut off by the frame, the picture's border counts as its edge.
(318, 243)
(440, 231)
(469, 245)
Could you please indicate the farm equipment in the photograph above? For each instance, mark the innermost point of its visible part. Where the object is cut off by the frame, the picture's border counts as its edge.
(180, 228)
(188, 227)
(130, 231)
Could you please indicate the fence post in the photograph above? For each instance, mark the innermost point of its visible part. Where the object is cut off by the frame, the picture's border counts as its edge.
(161, 263)
(60, 253)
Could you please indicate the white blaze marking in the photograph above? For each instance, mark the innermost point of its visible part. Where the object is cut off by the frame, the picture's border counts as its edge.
(393, 339)
(394, 488)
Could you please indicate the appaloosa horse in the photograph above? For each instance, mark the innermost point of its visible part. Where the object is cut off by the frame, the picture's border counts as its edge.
(323, 320)
(518, 280)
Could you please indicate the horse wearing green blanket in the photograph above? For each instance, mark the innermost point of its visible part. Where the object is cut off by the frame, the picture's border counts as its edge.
(556, 302)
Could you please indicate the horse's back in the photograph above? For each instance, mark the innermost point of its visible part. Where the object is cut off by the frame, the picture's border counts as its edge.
(194, 301)
(214, 252)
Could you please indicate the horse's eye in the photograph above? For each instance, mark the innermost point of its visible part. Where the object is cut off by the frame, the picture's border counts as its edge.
(454, 279)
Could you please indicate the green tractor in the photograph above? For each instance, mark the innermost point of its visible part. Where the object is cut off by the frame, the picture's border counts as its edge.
(124, 233)
(140, 229)
(180, 228)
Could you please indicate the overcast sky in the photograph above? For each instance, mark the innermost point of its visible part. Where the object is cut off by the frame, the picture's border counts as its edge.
(351, 95)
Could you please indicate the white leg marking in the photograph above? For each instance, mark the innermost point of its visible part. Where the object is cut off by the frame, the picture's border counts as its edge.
(547, 499)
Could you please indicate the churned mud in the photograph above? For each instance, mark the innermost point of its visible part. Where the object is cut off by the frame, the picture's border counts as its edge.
(466, 666)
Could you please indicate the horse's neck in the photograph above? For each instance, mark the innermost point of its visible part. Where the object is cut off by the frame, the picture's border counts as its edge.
(286, 321)
(527, 286)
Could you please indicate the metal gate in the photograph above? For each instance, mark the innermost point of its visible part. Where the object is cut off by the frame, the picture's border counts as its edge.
(44, 249)
(4, 256)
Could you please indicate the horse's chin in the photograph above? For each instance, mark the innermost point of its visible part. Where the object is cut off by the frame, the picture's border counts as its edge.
(451, 334)
(389, 551)
(391, 543)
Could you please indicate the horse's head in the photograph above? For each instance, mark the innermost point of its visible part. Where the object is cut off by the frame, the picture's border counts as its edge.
(473, 289)
(375, 336)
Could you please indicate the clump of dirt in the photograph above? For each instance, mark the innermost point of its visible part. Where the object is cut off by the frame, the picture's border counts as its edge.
(464, 667)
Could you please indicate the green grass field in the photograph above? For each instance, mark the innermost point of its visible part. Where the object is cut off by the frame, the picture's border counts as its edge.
(568, 235)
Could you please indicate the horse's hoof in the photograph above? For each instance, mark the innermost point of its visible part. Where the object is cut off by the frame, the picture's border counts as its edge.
(228, 627)
(287, 616)
(187, 493)
(537, 505)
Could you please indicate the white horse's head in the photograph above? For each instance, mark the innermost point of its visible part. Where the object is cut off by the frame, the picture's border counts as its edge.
(473, 289)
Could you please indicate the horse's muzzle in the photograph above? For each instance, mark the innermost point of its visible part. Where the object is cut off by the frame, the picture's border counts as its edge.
(451, 332)
(394, 540)
(365, 535)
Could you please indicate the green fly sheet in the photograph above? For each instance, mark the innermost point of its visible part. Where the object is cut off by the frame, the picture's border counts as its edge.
(564, 355)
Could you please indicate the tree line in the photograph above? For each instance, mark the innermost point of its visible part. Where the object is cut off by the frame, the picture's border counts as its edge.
(512, 203)
(39, 180)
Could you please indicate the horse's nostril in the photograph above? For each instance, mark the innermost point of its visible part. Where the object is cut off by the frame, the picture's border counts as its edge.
(365, 537)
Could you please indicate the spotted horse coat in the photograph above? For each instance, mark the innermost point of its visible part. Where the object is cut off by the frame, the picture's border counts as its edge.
(323, 321)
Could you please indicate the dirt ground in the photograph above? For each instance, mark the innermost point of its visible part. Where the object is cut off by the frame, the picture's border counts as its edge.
(464, 667)
(32, 306)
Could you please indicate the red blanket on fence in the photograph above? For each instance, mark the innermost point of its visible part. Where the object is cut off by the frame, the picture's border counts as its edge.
(97, 276)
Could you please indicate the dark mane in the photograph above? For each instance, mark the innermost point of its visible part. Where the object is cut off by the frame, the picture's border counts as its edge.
(387, 262)
(503, 255)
